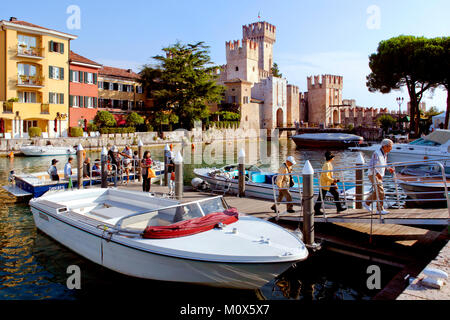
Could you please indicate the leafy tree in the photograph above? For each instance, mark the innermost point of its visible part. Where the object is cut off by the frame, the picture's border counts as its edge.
(440, 66)
(276, 71)
(104, 119)
(386, 122)
(403, 61)
(133, 119)
(183, 82)
(168, 118)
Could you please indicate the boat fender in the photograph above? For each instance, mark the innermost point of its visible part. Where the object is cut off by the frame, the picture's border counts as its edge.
(11, 155)
(434, 278)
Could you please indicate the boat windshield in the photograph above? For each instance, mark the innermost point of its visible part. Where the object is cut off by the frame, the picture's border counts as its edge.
(423, 142)
(172, 214)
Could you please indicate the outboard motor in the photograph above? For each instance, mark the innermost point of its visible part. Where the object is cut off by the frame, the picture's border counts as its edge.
(199, 184)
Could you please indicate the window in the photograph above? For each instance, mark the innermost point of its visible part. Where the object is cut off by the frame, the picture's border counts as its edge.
(74, 76)
(28, 124)
(56, 98)
(74, 101)
(139, 89)
(115, 86)
(27, 44)
(89, 78)
(100, 85)
(27, 73)
(56, 47)
(56, 73)
(237, 68)
(88, 102)
(245, 99)
(27, 97)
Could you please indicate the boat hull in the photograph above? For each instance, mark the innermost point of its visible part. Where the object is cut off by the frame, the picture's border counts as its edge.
(329, 144)
(117, 254)
(46, 151)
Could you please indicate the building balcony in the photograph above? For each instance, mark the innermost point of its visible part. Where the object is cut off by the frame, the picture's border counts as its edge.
(30, 52)
(30, 81)
(27, 110)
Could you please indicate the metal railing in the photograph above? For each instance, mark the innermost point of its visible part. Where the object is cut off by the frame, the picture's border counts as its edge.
(401, 188)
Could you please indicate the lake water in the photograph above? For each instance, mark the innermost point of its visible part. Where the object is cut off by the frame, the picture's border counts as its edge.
(34, 266)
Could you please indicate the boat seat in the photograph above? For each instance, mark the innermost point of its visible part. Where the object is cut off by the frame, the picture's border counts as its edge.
(268, 178)
(259, 178)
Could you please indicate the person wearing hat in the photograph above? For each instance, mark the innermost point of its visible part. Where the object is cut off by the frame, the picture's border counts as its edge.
(68, 168)
(284, 182)
(115, 159)
(328, 184)
(53, 171)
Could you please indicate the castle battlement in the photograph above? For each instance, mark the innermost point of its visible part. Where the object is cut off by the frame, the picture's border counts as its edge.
(325, 81)
(248, 49)
(259, 30)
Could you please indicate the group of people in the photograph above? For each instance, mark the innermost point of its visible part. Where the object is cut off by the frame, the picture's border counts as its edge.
(122, 162)
(328, 183)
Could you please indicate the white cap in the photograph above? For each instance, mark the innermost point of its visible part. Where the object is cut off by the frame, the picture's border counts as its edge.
(291, 160)
(178, 158)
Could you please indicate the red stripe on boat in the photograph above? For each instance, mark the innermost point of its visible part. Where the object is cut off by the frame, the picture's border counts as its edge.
(192, 226)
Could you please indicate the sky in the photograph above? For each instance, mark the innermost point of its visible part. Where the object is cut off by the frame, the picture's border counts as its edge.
(313, 37)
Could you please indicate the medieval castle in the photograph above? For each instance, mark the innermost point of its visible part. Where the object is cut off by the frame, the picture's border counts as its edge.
(269, 102)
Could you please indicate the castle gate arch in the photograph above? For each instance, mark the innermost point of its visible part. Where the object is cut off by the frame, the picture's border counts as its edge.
(280, 118)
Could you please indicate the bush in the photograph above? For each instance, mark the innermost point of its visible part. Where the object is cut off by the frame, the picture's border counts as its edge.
(92, 127)
(133, 119)
(34, 132)
(76, 132)
(117, 130)
(104, 119)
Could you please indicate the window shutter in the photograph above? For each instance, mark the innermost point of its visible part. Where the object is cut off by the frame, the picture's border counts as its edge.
(50, 72)
(50, 97)
(61, 73)
(61, 48)
(85, 77)
(95, 78)
(70, 101)
(81, 76)
(95, 102)
(85, 102)
(50, 46)
(61, 98)
(70, 75)
(80, 98)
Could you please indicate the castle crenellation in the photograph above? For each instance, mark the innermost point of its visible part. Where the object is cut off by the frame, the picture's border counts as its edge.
(270, 102)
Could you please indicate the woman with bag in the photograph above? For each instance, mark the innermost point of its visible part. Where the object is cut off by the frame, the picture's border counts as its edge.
(146, 165)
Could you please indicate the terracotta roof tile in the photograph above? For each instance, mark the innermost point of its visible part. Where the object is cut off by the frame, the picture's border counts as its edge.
(117, 72)
(77, 58)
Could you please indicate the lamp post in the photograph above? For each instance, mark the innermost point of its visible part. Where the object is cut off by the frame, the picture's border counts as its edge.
(399, 101)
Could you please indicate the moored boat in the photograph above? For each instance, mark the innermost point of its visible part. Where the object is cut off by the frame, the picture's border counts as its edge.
(201, 242)
(39, 151)
(327, 140)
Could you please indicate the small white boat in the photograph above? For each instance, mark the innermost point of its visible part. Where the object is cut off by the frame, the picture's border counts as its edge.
(432, 147)
(137, 234)
(39, 151)
(258, 184)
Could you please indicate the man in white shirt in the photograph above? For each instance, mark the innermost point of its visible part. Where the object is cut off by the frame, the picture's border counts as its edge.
(379, 158)
(68, 169)
(53, 171)
(127, 155)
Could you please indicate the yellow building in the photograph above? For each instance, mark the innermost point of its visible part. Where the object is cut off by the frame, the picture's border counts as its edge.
(34, 79)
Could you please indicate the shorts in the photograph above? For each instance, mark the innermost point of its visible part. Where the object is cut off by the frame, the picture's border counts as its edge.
(127, 165)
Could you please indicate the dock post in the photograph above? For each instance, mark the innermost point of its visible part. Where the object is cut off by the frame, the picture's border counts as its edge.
(140, 155)
(359, 182)
(178, 176)
(308, 199)
(104, 160)
(166, 163)
(241, 172)
(80, 160)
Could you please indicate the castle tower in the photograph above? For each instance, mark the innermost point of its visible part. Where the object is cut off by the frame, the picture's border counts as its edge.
(325, 99)
(242, 61)
(264, 34)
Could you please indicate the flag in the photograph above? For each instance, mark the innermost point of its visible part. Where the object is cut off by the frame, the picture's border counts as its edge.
(259, 15)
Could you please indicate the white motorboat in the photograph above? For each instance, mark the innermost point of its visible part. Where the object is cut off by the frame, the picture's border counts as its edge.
(259, 184)
(137, 234)
(434, 146)
(39, 151)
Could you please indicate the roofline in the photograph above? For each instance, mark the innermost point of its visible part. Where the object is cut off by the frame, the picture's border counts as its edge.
(37, 30)
(83, 64)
